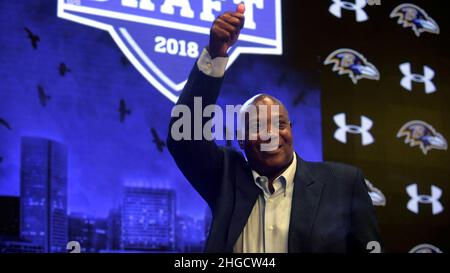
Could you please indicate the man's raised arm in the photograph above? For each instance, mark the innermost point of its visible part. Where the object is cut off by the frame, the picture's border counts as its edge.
(201, 160)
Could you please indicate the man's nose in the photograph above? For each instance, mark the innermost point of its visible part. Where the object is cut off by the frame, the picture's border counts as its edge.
(270, 134)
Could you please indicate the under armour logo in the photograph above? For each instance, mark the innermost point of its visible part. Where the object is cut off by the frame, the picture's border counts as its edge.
(357, 7)
(428, 75)
(416, 198)
(344, 128)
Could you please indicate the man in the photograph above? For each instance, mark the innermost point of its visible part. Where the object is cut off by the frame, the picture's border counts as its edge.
(270, 200)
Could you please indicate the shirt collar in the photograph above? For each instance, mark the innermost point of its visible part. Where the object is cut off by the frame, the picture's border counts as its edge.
(286, 178)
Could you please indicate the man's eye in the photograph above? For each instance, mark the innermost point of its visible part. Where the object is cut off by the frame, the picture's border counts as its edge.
(280, 125)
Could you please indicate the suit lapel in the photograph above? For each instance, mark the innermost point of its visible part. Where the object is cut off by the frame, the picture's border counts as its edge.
(305, 201)
(246, 195)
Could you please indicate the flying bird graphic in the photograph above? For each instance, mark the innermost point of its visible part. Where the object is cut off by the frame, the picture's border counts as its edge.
(33, 38)
(300, 98)
(124, 60)
(160, 144)
(63, 69)
(123, 110)
(5, 123)
(282, 78)
(43, 97)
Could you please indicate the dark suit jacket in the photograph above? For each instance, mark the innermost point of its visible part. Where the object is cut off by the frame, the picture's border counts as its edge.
(331, 209)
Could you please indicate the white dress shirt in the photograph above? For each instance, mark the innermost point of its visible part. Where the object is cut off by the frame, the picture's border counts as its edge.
(267, 227)
(212, 67)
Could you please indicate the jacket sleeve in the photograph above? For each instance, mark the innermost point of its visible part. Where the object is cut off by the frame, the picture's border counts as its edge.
(365, 236)
(201, 161)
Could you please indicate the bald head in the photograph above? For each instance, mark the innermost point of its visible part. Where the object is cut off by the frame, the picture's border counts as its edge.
(264, 99)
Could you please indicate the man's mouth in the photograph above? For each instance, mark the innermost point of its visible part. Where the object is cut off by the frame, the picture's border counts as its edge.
(271, 149)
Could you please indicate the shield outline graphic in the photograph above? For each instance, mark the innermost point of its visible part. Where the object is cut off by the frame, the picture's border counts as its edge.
(154, 75)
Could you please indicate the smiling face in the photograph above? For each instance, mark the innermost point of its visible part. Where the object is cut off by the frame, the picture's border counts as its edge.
(268, 142)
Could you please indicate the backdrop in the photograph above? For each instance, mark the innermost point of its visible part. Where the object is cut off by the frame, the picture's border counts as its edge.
(86, 90)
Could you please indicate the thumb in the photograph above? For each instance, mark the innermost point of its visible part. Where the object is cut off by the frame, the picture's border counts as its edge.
(241, 8)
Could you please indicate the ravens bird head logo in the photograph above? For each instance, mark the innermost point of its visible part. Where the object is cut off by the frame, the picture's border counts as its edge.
(419, 133)
(348, 61)
(410, 15)
(425, 248)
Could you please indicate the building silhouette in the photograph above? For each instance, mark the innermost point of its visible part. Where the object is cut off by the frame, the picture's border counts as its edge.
(43, 192)
(114, 230)
(148, 219)
(17, 245)
(90, 232)
(9, 216)
(207, 221)
(37, 221)
(190, 234)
